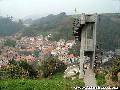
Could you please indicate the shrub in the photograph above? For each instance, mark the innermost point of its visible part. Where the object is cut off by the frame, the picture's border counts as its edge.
(10, 43)
(100, 78)
(51, 66)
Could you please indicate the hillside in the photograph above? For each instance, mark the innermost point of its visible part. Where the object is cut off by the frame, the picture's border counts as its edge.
(60, 26)
(9, 27)
(108, 31)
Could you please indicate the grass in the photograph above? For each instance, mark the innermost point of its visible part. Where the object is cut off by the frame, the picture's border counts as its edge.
(56, 83)
(100, 78)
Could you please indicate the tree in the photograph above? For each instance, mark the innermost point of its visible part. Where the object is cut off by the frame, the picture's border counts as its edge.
(36, 53)
(28, 68)
(10, 43)
(51, 66)
(9, 27)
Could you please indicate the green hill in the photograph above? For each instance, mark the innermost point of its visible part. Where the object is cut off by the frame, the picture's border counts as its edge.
(9, 27)
(60, 26)
(108, 31)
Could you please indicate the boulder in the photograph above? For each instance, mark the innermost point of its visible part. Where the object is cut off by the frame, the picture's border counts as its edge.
(71, 72)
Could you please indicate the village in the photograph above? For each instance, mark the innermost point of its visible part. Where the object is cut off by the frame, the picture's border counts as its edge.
(36, 49)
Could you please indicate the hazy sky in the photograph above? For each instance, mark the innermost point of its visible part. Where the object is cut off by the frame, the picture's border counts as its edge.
(23, 8)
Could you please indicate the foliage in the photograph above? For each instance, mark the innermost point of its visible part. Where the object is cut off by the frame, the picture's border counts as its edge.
(51, 66)
(32, 73)
(23, 69)
(100, 78)
(18, 70)
(9, 27)
(56, 83)
(115, 69)
(60, 26)
(10, 43)
(36, 53)
(108, 31)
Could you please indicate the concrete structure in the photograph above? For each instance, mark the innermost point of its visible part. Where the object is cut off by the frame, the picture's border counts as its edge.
(85, 31)
(117, 52)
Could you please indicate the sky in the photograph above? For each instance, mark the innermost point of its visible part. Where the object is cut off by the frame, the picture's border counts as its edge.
(25, 8)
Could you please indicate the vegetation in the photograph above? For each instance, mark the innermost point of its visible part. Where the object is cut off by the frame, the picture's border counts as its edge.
(52, 66)
(111, 74)
(115, 69)
(60, 26)
(108, 32)
(23, 76)
(22, 69)
(56, 83)
(36, 53)
(10, 43)
(100, 78)
(9, 27)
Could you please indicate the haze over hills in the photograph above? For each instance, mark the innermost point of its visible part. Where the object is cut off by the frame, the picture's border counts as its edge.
(108, 31)
(60, 26)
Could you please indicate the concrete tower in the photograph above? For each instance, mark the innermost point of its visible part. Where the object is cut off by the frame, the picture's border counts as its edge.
(85, 31)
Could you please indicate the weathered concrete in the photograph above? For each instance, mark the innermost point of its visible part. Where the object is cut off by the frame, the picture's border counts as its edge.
(89, 78)
(88, 39)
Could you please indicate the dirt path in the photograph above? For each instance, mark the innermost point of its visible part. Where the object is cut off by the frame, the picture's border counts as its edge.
(89, 78)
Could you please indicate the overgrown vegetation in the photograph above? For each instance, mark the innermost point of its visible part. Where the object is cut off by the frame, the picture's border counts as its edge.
(110, 74)
(24, 76)
(115, 69)
(22, 69)
(100, 78)
(9, 27)
(52, 66)
(56, 83)
(10, 43)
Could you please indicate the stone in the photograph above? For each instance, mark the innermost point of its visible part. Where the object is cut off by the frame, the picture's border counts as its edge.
(71, 71)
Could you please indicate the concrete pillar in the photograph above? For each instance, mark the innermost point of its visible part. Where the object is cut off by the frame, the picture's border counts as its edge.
(89, 22)
(82, 57)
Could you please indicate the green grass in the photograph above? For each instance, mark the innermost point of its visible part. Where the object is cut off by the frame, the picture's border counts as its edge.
(56, 83)
(100, 78)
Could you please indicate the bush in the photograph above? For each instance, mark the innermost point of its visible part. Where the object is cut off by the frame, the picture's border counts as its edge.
(100, 78)
(51, 66)
(10, 43)
(18, 70)
(115, 69)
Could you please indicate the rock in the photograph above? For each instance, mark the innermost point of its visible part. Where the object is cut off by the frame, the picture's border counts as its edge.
(73, 78)
(71, 71)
